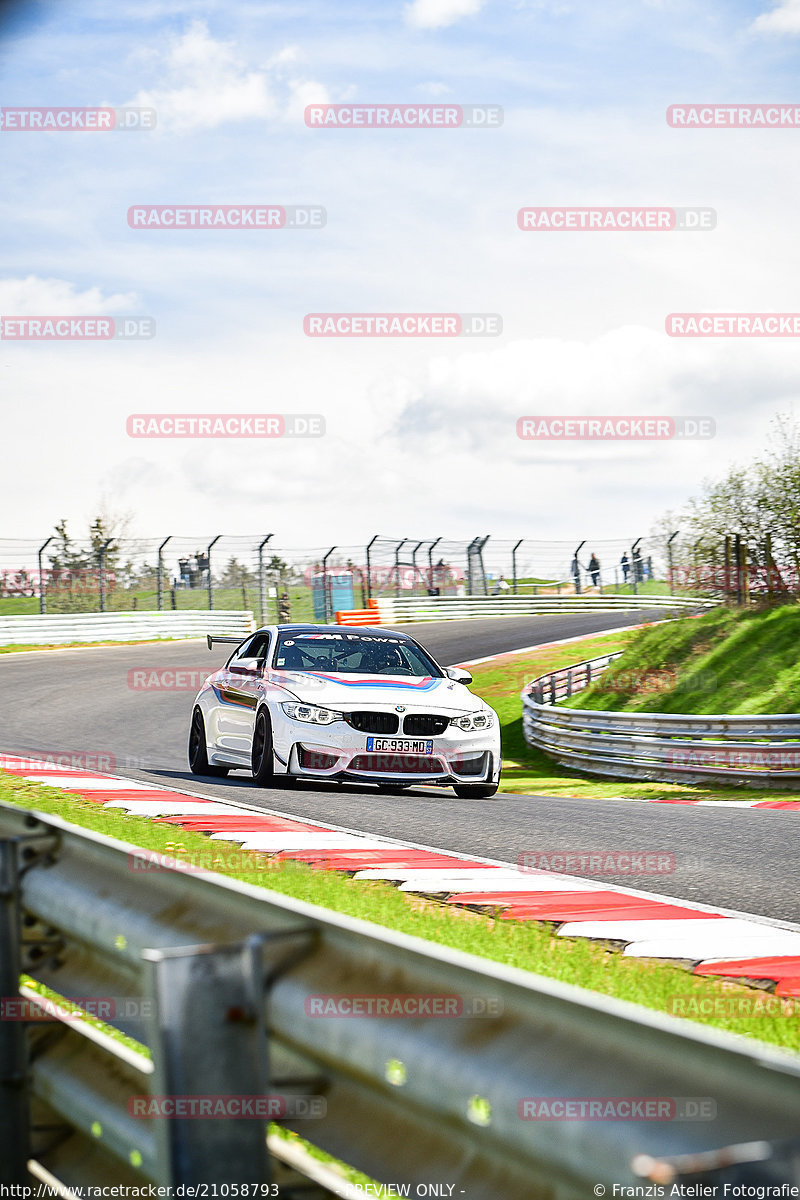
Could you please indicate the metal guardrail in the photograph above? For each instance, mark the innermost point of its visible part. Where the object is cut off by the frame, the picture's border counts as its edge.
(657, 746)
(218, 975)
(121, 626)
(448, 608)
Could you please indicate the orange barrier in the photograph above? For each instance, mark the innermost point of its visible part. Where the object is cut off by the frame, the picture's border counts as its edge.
(358, 616)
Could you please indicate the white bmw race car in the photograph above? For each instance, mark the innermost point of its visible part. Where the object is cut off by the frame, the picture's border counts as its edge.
(343, 704)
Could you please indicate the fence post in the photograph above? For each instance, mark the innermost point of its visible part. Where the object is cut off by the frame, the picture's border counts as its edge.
(211, 546)
(636, 560)
(431, 549)
(414, 564)
(670, 567)
(14, 1115)
(325, 590)
(42, 584)
(514, 564)
(262, 582)
(101, 558)
(397, 550)
(160, 573)
(370, 544)
(576, 568)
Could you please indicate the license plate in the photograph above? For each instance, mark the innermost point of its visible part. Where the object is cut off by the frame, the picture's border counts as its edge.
(399, 746)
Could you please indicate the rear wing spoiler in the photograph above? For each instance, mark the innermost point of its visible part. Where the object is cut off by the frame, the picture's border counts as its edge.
(211, 638)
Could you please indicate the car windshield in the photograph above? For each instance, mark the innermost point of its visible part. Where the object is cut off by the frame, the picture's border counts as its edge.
(352, 654)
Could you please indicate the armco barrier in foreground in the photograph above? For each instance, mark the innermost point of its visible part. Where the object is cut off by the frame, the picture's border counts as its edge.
(393, 611)
(37, 630)
(764, 750)
(218, 976)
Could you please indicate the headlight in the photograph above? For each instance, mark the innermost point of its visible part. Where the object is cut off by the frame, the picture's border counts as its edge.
(311, 714)
(479, 720)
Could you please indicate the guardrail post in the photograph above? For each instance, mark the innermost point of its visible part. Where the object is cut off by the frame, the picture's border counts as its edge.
(208, 1037)
(14, 1115)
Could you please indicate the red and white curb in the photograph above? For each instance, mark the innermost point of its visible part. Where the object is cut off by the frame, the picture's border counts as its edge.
(715, 941)
(790, 804)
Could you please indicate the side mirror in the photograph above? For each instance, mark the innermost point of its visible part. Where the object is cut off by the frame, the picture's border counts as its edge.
(459, 675)
(245, 666)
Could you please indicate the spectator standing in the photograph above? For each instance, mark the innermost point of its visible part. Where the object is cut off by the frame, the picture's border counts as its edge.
(626, 566)
(594, 569)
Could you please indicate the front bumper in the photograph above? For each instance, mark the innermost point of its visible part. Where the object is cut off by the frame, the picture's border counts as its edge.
(339, 752)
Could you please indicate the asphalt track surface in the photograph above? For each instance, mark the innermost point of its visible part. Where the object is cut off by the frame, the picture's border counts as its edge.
(71, 701)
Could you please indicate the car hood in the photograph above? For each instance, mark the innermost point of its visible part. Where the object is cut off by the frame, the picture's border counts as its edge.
(348, 692)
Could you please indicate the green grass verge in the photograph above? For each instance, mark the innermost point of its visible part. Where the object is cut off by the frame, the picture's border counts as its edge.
(23, 649)
(526, 770)
(727, 661)
(527, 945)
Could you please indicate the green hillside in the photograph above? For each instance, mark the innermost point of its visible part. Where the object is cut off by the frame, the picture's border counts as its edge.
(727, 661)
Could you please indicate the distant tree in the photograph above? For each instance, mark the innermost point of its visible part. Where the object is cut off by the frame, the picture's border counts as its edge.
(759, 501)
(236, 574)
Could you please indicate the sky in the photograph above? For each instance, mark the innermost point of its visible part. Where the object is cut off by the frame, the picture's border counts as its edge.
(420, 433)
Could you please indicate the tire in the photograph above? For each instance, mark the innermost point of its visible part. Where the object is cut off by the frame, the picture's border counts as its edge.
(475, 791)
(261, 754)
(198, 753)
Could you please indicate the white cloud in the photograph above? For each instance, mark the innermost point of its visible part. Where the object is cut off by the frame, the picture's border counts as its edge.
(434, 88)
(33, 296)
(436, 14)
(206, 83)
(785, 18)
